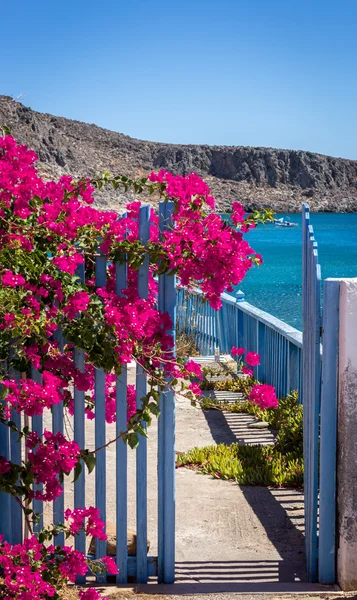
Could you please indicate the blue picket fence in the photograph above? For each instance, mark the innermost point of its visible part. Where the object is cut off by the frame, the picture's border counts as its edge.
(238, 323)
(142, 566)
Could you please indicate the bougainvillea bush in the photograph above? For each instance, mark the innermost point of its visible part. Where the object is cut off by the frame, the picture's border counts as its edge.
(50, 233)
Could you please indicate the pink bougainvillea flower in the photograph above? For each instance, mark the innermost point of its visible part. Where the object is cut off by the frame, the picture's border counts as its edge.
(192, 367)
(237, 351)
(87, 519)
(90, 594)
(195, 388)
(264, 396)
(110, 565)
(5, 466)
(247, 371)
(10, 279)
(252, 359)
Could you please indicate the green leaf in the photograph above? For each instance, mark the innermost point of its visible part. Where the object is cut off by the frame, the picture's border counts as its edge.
(77, 471)
(154, 409)
(90, 461)
(133, 440)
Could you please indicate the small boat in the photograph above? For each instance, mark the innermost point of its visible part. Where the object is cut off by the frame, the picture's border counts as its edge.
(284, 223)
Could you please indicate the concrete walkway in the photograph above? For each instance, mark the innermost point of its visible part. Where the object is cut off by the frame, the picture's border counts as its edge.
(225, 533)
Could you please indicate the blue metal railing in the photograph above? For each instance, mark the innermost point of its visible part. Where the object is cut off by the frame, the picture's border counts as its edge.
(238, 323)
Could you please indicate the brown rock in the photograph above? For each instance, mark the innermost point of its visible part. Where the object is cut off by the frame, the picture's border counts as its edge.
(257, 177)
(112, 541)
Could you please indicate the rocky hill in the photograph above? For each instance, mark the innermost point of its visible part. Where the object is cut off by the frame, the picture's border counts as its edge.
(258, 177)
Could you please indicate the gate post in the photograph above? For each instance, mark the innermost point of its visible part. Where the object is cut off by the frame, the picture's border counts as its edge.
(5, 499)
(166, 432)
(328, 431)
(347, 438)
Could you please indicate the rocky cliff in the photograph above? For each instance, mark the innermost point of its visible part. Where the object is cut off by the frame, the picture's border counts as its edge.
(258, 177)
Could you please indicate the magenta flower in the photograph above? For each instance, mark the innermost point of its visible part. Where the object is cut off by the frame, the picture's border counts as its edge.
(5, 466)
(194, 368)
(110, 565)
(252, 359)
(10, 279)
(237, 351)
(264, 396)
(247, 371)
(195, 388)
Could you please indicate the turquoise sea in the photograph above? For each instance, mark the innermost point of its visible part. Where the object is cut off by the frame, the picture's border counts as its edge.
(276, 286)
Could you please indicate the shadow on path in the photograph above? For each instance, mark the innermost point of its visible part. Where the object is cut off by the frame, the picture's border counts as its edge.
(281, 513)
(279, 510)
(235, 571)
(229, 428)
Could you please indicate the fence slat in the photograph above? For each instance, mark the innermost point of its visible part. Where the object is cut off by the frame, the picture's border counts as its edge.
(121, 454)
(79, 436)
(57, 426)
(100, 427)
(16, 510)
(311, 390)
(141, 451)
(166, 434)
(37, 427)
(5, 499)
(328, 435)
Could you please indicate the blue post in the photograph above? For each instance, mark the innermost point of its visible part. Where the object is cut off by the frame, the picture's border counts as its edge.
(79, 436)
(166, 442)
(293, 380)
(57, 426)
(261, 351)
(328, 435)
(5, 499)
(37, 426)
(141, 451)
(16, 510)
(311, 389)
(121, 455)
(100, 439)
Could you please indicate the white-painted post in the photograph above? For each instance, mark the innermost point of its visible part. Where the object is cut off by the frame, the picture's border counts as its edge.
(347, 438)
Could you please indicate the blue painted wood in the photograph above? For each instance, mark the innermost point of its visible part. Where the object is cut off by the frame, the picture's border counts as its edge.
(311, 389)
(240, 338)
(37, 427)
(16, 510)
(57, 425)
(166, 432)
(207, 316)
(100, 427)
(121, 455)
(79, 436)
(225, 330)
(293, 370)
(328, 434)
(121, 479)
(141, 451)
(261, 351)
(5, 499)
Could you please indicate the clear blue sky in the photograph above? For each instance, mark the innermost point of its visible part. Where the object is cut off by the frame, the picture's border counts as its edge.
(279, 73)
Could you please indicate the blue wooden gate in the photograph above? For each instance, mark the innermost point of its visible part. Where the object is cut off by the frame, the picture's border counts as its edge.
(142, 566)
(320, 368)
